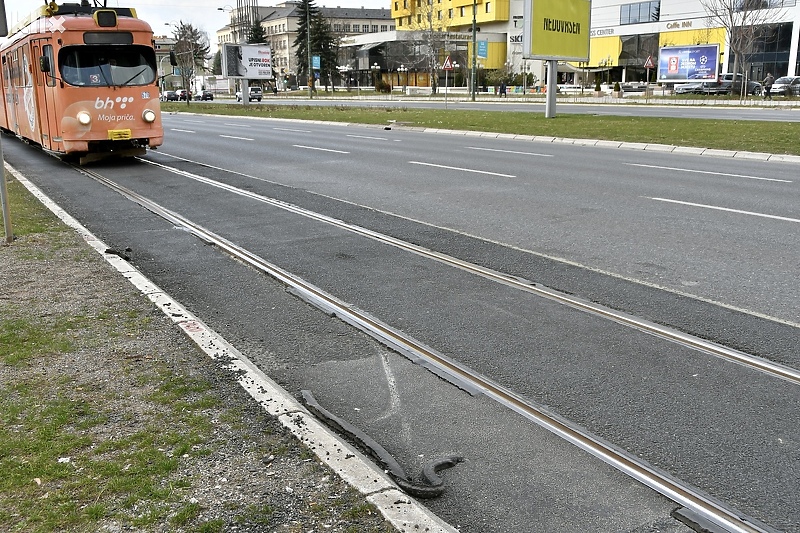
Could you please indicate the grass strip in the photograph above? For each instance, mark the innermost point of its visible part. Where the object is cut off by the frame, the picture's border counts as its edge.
(739, 135)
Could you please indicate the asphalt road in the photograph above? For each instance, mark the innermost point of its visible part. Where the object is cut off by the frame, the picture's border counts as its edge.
(705, 245)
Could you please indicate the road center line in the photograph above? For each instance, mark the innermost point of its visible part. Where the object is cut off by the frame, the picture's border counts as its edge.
(239, 138)
(729, 210)
(508, 151)
(367, 137)
(183, 131)
(463, 169)
(708, 172)
(320, 149)
(237, 125)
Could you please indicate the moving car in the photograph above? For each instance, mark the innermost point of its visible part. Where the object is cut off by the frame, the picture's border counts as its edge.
(255, 94)
(170, 96)
(183, 94)
(786, 86)
(205, 95)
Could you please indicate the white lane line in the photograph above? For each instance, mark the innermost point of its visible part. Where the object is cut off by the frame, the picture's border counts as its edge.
(463, 169)
(237, 125)
(182, 131)
(368, 137)
(290, 129)
(727, 209)
(320, 149)
(194, 121)
(709, 172)
(239, 138)
(508, 151)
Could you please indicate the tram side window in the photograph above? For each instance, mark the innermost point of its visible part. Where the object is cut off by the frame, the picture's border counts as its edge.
(47, 51)
(107, 65)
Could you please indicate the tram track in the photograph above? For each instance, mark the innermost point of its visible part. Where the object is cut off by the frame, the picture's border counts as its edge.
(698, 503)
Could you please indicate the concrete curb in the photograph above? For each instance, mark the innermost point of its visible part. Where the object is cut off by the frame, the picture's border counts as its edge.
(402, 511)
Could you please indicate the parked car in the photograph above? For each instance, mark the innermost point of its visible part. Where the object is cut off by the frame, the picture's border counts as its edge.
(688, 88)
(255, 94)
(726, 85)
(786, 86)
(205, 95)
(183, 94)
(170, 96)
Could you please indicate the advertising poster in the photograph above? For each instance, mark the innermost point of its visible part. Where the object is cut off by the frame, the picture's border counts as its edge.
(557, 30)
(678, 64)
(251, 61)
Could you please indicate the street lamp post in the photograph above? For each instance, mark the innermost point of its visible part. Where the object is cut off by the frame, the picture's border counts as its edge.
(375, 72)
(402, 69)
(163, 75)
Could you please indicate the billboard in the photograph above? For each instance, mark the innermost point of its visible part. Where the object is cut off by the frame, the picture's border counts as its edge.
(251, 61)
(556, 30)
(678, 64)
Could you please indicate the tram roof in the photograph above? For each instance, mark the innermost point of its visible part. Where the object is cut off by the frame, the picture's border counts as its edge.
(52, 9)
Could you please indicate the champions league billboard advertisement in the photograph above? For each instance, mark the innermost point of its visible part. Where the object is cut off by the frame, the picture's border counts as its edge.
(678, 64)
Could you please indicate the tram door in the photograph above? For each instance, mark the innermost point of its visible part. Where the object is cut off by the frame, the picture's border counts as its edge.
(10, 83)
(45, 83)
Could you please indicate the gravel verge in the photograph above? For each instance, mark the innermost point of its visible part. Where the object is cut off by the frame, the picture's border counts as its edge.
(78, 334)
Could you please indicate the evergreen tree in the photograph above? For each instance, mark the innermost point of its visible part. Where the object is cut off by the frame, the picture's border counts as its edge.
(216, 67)
(256, 34)
(307, 13)
(325, 45)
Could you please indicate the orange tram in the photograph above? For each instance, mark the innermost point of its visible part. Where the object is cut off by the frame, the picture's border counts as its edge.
(81, 81)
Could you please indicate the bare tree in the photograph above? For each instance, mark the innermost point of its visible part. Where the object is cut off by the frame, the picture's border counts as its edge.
(744, 22)
(191, 48)
(432, 22)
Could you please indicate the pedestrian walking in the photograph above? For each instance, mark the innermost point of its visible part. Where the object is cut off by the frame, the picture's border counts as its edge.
(767, 83)
(502, 89)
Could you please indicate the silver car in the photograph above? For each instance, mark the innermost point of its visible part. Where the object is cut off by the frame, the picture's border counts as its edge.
(688, 88)
(786, 86)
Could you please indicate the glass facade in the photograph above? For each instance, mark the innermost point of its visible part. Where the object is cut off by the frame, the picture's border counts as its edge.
(639, 12)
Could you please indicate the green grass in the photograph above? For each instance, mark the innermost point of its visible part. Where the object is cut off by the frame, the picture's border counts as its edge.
(754, 136)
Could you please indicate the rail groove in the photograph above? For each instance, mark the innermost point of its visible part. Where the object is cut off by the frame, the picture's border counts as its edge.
(715, 512)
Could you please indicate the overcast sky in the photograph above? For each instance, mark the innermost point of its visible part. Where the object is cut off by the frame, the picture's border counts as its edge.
(202, 14)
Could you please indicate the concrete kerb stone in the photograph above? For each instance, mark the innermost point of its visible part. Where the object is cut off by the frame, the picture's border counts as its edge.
(759, 156)
(340, 456)
(689, 150)
(608, 144)
(633, 146)
(719, 153)
(660, 148)
(783, 158)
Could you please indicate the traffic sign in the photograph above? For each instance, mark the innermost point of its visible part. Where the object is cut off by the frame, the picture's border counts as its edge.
(649, 62)
(448, 64)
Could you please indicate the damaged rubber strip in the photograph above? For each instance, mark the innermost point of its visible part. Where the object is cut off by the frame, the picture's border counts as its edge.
(431, 484)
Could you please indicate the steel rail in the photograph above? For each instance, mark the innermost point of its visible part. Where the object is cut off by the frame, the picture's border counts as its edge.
(715, 512)
(758, 363)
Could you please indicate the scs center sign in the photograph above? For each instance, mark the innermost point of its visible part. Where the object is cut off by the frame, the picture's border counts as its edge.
(557, 30)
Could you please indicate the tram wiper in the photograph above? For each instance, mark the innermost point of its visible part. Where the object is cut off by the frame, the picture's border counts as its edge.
(134, 76)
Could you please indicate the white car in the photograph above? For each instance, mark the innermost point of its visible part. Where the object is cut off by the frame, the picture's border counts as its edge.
(255, 94)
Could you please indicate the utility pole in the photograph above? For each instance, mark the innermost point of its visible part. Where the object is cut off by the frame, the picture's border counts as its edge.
(308, 51)
(474, 47)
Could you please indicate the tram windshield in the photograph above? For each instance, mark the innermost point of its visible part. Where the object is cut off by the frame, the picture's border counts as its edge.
(107, 66)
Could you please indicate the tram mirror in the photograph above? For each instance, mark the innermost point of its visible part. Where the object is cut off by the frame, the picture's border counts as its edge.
(3, 22)
(44, 63)
(172, 59)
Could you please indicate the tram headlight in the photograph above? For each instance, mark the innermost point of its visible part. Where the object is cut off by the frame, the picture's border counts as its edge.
(149, 115)
(84, 118)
